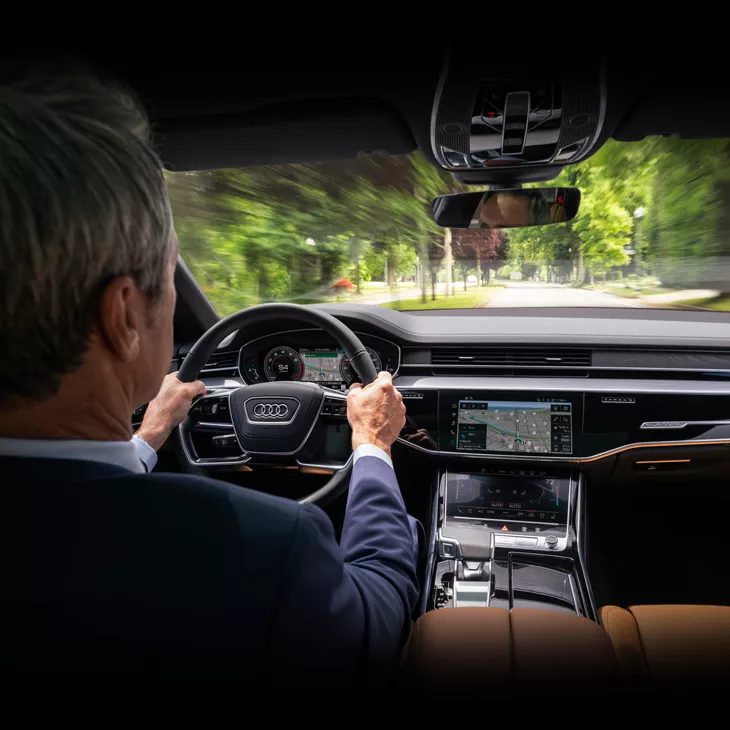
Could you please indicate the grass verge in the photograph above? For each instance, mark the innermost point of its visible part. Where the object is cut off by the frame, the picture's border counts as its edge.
(625, 291)
(721, 303)
(460, 300)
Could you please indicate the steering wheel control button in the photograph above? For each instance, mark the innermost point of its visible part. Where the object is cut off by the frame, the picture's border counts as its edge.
(335, 407)
(211, 409)
(225, 442)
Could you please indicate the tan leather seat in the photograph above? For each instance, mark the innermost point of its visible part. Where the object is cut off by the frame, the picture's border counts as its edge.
(662, 645)
(468, 649)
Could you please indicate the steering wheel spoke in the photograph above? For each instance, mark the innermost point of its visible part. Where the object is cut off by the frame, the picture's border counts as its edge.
(209, 422)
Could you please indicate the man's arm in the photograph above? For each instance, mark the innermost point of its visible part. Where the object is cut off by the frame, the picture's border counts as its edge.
(164, 413)
(349, 606)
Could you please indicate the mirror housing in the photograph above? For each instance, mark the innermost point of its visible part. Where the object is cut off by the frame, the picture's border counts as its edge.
(515, 208)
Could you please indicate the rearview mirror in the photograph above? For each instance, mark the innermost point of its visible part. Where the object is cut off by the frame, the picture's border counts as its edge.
(516, 208)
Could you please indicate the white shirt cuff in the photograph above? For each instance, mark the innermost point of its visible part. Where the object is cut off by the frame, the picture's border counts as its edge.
(146, 454)
(371, 450)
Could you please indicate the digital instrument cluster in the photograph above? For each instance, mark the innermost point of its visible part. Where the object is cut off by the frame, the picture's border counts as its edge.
(311, 357)
(327, 366)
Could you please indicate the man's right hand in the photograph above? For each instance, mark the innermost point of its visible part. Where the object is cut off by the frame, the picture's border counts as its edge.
(376, 413)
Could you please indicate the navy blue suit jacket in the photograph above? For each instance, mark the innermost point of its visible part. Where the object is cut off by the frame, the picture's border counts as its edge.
(181, 576)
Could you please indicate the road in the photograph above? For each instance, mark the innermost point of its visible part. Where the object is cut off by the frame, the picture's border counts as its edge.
(538, 294)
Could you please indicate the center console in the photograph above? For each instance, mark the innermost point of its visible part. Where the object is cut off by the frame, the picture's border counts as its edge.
(507, 536)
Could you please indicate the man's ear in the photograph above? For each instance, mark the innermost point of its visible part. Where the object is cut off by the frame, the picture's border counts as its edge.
(122, 312)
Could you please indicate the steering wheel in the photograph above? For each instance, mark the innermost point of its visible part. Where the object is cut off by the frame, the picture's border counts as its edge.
(269, 421)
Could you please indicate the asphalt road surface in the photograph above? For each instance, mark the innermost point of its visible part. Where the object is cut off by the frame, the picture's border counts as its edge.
(538, 294)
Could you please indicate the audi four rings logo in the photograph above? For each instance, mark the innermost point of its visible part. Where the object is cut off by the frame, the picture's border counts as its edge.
(271, 410)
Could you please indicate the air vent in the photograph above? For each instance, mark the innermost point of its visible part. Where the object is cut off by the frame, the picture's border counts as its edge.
(222, 364)
(518, 358)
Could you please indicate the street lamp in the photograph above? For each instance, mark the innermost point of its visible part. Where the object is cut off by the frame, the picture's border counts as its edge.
(310, 242)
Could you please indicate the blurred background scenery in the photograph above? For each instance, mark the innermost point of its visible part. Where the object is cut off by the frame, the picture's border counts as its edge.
(653, 230)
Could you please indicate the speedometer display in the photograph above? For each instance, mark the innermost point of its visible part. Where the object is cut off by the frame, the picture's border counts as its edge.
(283, 363)
(348, 372)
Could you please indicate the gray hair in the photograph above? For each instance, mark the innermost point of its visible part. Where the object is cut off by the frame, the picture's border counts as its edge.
(82, 201)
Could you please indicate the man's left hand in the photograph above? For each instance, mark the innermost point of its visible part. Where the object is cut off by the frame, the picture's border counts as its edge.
(167, 410)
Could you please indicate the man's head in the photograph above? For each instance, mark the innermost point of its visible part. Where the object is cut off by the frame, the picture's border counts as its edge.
(87, 247)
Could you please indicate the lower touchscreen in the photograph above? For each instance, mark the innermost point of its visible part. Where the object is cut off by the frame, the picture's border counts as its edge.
(517, 498)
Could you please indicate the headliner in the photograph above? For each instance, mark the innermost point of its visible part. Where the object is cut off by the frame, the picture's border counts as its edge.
(214, 109)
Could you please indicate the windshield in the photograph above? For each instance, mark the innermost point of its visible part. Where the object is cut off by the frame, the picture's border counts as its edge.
(653, 230)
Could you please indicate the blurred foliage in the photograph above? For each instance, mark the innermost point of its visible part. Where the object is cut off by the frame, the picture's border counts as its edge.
(657, 207)
(290, 231)
(660, 206)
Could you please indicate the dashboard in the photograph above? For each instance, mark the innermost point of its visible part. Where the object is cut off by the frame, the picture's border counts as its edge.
(506, 391)
(310, 356)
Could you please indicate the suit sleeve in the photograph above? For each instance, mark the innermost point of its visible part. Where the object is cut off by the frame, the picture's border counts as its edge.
(346, 608)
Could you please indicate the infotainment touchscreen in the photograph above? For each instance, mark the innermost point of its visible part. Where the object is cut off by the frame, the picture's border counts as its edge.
(514, 427)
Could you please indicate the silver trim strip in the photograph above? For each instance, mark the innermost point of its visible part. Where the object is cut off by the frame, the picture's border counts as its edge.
(538, 368)
(579, 545)
(569, 459)
(217, 370)
(223, 383)
(432, 550)
(333, 467)
(554, 385)
(676, 425)
(451, 541)
(505, 520)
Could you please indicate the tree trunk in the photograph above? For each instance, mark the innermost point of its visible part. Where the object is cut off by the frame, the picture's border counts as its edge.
(479, 266)
(434, 277)
(580, 275)
(448, 263)
(423, 257)
(466, 270)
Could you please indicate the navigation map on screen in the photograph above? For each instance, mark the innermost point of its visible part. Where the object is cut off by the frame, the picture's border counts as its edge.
(321, 366)
(514, 426)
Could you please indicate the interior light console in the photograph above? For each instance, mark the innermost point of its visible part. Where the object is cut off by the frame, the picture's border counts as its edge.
(491, 116)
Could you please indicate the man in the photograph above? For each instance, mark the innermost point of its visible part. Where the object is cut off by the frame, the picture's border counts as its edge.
(107, 568)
